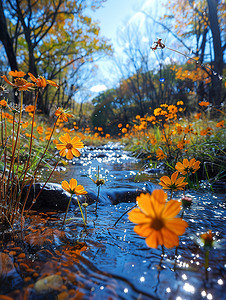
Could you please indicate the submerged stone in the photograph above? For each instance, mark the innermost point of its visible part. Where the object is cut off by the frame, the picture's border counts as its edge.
(49, 284)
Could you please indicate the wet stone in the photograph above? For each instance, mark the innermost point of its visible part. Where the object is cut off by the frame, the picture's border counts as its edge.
(6, 264)
(49, 284)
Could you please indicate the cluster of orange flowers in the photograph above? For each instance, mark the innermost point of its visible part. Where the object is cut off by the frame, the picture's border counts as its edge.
(155, 218)
(23, 85)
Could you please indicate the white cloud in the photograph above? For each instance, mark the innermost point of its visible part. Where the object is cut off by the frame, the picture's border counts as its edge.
(98, 88)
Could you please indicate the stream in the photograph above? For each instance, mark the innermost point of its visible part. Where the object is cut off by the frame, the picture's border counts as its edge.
(104, 261)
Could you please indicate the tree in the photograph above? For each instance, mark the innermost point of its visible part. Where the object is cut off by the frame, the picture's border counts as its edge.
(51, 37)
(200, 27)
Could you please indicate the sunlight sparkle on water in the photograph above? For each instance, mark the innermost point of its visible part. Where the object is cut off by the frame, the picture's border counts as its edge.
(189, 288)
(142, 279)
(220, 281)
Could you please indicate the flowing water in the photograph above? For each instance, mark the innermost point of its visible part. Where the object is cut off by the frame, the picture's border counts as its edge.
(108, 261)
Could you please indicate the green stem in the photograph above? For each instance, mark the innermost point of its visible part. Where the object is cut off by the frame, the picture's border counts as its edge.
(81, 211)
(98, 194)
(67, 210)
(207, 259)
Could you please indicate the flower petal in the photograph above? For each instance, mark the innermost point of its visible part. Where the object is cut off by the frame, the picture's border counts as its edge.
(185, 162)
(138, 217)
(75, 152)
(144, 202)
(170, 239)
(73, 183)
(143, 229)
(65, 186)
(60, 146)
(176, 225)
(65, 138)
(154, 239)
(69, 154)
(166, 180)
(174, 177)
(62, 152)
(172, 208)
(179, 166)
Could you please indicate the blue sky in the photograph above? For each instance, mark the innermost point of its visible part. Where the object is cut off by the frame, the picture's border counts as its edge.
(113, 17)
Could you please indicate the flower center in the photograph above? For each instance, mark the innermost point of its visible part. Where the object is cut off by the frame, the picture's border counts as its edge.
(20, 82)
(69, 146)
(157, 224)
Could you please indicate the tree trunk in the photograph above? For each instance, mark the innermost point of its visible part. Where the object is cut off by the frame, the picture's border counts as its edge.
(6, 40)
(218, 53)
(8, 44)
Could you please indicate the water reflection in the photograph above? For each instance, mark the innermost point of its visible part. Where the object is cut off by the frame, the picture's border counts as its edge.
(115, 262)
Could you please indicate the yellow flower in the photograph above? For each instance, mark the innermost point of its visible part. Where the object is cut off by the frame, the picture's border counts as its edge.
(41, 82)
(180, 103)
(187, 166)
(72, 187)
(63, 115)
(69, 146)
(160, 154)
(156, 219)
(173, 183)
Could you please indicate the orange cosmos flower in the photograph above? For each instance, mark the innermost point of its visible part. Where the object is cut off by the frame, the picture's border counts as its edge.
(173, 183)
(73, 188)
(69, 146)
(120, 125)
(41, 82)
(156, 219)
(20, 83)
(17, 73)
(204, 103)
(172, 109)
(25, 124)
(30, 108)
(198, 115)
(219, 124)
(63, 114)
(207, 238)
(187, 166)
(40, 130)
(180, 145)
(160, 154)
(3, 103)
